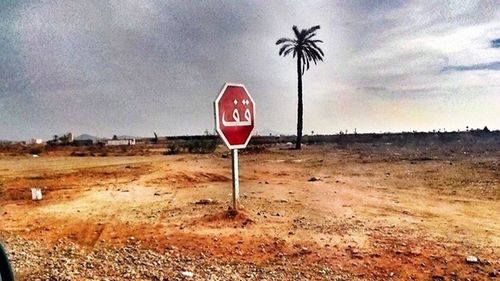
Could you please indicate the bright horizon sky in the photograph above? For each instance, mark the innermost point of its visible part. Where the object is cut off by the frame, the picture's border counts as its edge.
(134, 67)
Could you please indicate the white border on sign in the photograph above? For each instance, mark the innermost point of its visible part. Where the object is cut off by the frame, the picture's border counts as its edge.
(217, 128)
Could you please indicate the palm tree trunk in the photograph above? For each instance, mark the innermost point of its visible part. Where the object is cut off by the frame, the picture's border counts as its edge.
(298, 143)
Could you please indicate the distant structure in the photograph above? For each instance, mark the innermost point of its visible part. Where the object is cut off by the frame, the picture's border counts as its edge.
(116, 142)
(35, 141)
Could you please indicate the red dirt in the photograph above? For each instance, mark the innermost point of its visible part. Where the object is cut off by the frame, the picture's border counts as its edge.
(379, 213)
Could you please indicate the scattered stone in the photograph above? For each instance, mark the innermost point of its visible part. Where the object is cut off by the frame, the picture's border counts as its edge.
(188, 274)
(472, 259)
(437, 278)
(305, 251)
(68, 261)
(207, 201)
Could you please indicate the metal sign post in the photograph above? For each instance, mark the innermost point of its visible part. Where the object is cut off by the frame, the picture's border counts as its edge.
(236, 179)
(234, 121)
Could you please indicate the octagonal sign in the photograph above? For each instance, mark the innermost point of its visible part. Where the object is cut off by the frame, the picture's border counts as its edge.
(234, 115)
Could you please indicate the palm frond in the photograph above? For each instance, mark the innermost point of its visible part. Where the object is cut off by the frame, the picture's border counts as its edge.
(309, 36)
(302, 35)
(288, 51)
(311, 55)
(283, 40)
(314, 46)
(304, 46)
(296, 31)
(312, 29)
(283, 48)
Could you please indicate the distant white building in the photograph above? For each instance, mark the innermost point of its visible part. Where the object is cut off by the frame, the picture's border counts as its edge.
(35, 141)
(121, 142)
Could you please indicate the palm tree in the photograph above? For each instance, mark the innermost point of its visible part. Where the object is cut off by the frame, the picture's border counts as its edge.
(305, 49)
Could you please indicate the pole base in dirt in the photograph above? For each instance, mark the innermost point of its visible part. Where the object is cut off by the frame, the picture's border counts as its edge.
(231, 213)
(236, 183)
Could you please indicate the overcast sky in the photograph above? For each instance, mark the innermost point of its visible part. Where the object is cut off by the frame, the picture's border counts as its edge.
(134, 67)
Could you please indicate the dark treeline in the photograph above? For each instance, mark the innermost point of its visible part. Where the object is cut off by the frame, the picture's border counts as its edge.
(417, 138)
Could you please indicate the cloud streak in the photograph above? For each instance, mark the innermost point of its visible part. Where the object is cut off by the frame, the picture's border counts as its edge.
(483, 66)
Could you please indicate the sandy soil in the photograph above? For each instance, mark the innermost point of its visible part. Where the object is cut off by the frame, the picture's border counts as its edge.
(373, 212)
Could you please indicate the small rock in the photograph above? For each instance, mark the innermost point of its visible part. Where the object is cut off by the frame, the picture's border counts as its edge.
(437, 278)
(207, 201)
(157, 193)
(472, 259)
(188, 274)
(305, 251)
(494, 273)
(314, 179)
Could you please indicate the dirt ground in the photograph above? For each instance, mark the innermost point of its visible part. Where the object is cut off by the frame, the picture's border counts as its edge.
(362, 212)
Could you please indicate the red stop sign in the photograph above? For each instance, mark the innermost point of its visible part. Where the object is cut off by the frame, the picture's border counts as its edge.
(234, 115)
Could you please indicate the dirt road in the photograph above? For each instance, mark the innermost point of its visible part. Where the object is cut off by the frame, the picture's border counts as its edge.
(325, 213)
